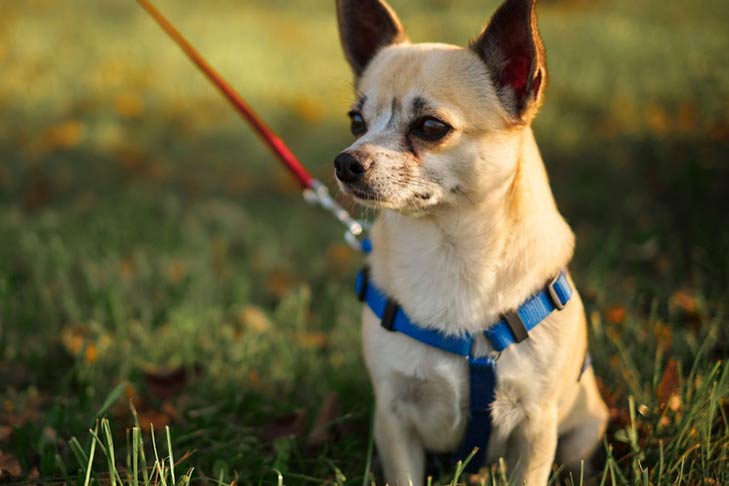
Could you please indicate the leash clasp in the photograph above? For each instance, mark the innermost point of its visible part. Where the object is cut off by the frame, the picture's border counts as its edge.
(318, 194)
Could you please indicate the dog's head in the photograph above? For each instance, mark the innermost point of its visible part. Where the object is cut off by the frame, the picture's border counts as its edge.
(436, 123)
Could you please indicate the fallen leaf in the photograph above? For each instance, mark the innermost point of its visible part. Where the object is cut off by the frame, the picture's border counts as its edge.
(668, 386)
(165, 383)
(65, 135)
(688, 117)
(9, 466)
(615, 314)
(312, 339)
(129, 105)
(169, 409)
(664, 334)
(254, 319)
(278, 283)
(321, 432)
(681, 299)
(50, 435)
(5, 433)
(657, 119)
(176, 271)
(73, 339)
(153, 418)
(91, 354)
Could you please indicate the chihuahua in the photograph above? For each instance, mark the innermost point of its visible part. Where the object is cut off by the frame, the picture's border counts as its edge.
(467, 231)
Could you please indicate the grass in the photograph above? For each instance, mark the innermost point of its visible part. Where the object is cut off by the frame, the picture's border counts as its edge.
(152, 252)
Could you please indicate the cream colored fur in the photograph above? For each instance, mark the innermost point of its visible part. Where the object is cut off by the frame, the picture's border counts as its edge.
(488, 236)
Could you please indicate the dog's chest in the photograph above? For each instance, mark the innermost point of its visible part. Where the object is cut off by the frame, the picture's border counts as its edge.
(426, 388)
(440, 284)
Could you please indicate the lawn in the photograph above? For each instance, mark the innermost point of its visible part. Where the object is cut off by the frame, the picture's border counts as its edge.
(153, 254)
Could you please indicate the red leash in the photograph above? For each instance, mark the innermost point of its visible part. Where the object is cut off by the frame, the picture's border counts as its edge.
(314, 191)
(246, 112)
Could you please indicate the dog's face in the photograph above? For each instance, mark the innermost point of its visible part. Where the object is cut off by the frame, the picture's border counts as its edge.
(434, 123)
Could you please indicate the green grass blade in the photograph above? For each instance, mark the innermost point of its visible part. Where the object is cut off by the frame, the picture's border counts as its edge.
(136, 446)
(370, 449)
(157, 463)
(81, 457)
(111, 398)
(87, 479)
(169, 452)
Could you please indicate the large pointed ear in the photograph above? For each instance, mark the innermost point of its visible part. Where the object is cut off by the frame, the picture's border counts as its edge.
(512, 49)
(365, 27)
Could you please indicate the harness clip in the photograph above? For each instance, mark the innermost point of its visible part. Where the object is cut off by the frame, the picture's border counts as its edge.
(388, 317)
(558, 304)
(362, 282)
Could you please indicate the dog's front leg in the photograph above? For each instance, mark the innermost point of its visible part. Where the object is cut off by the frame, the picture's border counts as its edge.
(401, 453)
(532, 447)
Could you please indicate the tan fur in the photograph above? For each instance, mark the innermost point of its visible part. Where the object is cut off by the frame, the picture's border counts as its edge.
(486, 238)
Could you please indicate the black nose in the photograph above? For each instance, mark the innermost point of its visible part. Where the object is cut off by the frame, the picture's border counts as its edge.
(348, 168)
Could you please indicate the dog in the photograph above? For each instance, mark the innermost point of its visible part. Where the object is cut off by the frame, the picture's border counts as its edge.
(467, 231)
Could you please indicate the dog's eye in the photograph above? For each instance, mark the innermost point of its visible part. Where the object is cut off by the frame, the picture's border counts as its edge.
(431, 129)
(359, 127)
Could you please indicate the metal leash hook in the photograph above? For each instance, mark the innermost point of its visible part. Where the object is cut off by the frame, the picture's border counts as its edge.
(318, 194)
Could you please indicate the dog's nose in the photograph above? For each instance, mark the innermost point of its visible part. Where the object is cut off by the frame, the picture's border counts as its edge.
(348, 168)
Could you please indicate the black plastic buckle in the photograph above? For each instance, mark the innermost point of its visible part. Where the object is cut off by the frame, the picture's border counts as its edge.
(553, 295)
(364, 283)
(388, 317)
(518, 329)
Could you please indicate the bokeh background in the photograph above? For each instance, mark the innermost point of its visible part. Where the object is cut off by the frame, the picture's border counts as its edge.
(152, 250)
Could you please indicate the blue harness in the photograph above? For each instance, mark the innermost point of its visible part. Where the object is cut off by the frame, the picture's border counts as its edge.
(513, 328)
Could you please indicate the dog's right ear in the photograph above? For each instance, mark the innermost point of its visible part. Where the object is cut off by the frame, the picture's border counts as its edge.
(365, 27)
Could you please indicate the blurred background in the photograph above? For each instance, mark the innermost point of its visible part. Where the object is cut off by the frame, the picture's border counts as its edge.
(152, 250)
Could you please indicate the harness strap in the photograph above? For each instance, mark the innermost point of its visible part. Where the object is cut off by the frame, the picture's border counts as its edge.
(482, 388)
(397, 320)
(513, 328)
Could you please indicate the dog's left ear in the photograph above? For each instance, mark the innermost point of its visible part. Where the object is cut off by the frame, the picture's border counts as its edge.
(365, 27)
(512, 49)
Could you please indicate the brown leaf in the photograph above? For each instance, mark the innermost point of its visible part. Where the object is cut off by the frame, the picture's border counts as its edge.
(65, 135)
(681, 299)
(91, 354)
(322, 430)
(165, 383)
(312, 340)
(150, 418)
(9, 466)
(664, 334)
(5, 433)
(129, 105)
(176, 271)
(254, 378)
(668, 385)
(279, 283)
(254, 319)
(615, 314)
(657, 119)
